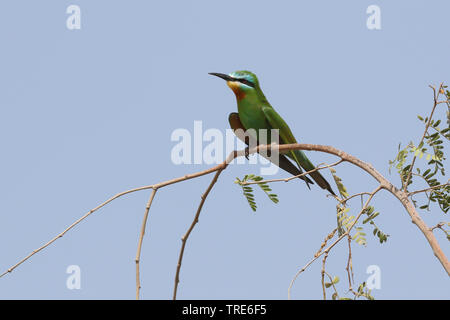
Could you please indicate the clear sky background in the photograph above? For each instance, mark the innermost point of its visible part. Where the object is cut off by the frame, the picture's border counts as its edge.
(88, 113)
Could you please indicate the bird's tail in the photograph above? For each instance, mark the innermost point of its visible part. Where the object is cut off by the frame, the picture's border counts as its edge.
(301, 159)
(320, 180)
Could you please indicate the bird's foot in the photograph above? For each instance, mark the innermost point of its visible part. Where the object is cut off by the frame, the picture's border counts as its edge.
(247, 152)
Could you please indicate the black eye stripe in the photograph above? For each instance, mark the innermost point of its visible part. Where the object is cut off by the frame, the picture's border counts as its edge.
(248, 83)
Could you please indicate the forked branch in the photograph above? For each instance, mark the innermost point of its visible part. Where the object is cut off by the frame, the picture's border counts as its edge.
(401, 195)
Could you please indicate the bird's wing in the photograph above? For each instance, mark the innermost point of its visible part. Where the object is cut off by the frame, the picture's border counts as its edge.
(283, 162)
(286, 137)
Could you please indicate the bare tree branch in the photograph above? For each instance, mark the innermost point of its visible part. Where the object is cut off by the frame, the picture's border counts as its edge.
(153, 186)
(401, 195)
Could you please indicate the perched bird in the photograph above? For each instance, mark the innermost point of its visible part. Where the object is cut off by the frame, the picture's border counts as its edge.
(255, 112)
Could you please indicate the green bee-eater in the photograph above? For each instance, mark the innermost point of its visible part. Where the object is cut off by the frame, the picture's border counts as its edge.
(255, 112)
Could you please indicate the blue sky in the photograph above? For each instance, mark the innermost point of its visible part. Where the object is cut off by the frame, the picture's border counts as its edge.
(88, 113)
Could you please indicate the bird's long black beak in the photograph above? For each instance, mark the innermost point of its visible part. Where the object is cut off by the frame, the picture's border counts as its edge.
(223, 76)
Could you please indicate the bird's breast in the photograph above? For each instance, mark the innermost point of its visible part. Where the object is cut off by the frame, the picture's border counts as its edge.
(251, 115)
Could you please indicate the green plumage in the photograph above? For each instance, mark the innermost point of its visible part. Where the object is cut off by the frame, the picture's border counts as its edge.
(255, 112)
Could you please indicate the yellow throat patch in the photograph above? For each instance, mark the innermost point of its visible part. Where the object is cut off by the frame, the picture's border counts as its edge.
(235, 86)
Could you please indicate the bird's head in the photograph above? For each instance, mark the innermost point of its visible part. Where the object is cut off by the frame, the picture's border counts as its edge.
(241, 82)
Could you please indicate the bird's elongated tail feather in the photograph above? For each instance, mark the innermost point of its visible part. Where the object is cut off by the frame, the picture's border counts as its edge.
(320, 180)
(303, 161)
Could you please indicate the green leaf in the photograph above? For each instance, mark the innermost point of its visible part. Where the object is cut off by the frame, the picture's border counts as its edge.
(248, 190)
(341, 188)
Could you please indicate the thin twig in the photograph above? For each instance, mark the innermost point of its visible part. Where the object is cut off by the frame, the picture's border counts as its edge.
(70, 227)
(324, 243)
(245, 183)
(436, 97)
(428, 189)
(343, 201)
(332, 284)
(349, 267)
(153, 186)
(186, 236)
(438, 226)
(141, 238)
(325, 256)
(335, 242)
